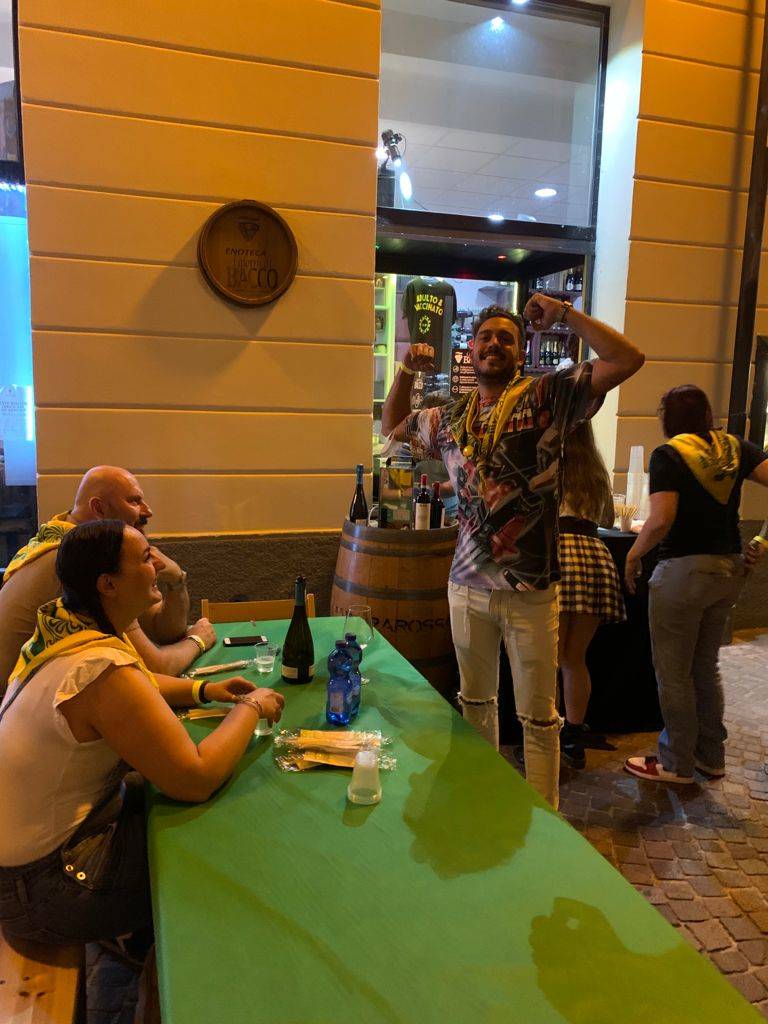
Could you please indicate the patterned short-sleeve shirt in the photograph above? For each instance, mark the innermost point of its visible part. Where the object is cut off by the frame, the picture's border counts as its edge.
(508, 521)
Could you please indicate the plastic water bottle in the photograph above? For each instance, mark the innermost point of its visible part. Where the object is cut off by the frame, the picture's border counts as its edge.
(338, 708)
(356, 656)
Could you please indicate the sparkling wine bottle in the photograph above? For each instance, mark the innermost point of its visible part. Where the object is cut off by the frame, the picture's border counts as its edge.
(298, 650)
(437, 509)
(358, 510)
(423, 505)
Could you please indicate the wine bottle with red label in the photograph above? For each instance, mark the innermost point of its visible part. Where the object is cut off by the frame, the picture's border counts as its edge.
(422, 505)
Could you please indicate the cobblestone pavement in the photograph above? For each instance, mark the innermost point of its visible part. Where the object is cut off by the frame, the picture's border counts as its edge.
(698, 853)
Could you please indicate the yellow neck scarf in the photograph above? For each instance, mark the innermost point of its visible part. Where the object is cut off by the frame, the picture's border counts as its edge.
(60, 632)
(477, 443)
(47, 538)
(714, 463)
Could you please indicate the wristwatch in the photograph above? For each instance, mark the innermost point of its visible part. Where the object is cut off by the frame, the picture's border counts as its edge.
(567, 307)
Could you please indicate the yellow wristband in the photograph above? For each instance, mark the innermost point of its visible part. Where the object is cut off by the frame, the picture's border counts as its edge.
(405, 369)
(760, 540)
(198, 640)
(196, 691)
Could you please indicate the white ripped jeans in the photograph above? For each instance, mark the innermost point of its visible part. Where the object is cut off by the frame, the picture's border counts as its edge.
(527, 621)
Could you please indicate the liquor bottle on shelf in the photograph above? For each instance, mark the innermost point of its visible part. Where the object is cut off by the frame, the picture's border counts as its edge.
(422, 505)
(528, 350)
(544, 351)
(358, 510)
(437, 509)
(299, 650)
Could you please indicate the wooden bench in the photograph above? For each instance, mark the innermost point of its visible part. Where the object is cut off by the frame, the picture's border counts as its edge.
(41, 984)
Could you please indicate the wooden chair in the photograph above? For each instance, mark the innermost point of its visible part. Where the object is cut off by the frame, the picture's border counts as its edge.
(243, 611)
(41, 984)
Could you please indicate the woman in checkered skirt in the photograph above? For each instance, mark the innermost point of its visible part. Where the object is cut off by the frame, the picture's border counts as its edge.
(590, 591)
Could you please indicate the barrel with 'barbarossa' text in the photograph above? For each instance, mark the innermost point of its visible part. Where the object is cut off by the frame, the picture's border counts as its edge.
(403, 576)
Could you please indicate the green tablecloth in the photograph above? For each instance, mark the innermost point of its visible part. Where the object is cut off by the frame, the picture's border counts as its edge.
(459, 899)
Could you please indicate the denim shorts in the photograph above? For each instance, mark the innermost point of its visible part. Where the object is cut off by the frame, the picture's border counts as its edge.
(41, 903)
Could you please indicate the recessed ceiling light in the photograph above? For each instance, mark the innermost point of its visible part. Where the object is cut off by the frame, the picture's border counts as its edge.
(497, 24)
(526, 216)
(545, 193)
(501, 257)
(519, 3)
(497, 218)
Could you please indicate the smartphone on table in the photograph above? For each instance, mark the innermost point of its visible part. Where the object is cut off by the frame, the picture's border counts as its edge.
(244, 641)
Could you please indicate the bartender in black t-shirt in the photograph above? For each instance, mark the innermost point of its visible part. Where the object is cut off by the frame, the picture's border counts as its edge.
(695, 488)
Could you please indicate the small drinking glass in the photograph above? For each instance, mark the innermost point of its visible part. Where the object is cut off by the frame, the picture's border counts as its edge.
(365, 787)
(358, 621)
(618, 500)
(265, 658)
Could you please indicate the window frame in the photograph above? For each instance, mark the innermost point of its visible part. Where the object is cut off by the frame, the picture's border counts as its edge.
(417, 222)
(12, 171)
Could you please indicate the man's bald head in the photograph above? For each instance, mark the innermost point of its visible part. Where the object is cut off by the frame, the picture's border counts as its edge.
(110, 492)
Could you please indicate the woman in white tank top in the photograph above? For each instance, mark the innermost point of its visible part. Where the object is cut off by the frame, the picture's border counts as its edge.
(73, 863)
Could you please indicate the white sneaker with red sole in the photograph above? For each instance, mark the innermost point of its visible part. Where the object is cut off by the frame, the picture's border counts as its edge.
(653, 770)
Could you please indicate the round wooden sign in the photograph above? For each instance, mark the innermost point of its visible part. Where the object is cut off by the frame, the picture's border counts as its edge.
(247, 253)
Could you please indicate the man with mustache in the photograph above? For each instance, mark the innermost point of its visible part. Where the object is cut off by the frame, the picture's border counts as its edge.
(501, 445)
(161, 638)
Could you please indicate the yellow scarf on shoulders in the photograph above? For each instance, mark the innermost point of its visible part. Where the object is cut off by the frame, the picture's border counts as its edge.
(476, 441)
(47, 538)
(60, 632)
(714, 463)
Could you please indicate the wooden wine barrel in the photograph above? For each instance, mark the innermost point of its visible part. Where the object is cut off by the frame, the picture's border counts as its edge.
(403, 576)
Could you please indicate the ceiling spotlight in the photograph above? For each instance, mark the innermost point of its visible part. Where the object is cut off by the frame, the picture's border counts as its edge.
(406, 188)
(501, 256)
(545, 193)
(497, 24)
(497, 218)
(519, 3)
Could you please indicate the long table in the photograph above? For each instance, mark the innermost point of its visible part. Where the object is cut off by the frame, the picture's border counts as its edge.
(460, 899)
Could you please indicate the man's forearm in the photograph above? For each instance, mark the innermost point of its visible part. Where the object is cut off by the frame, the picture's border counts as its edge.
(170, 659)
(398, 402)
(618, 356)
(169, 622)
(605, 342)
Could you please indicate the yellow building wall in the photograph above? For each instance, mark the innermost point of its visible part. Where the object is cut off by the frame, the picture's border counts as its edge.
(694, 144)
(141, 118)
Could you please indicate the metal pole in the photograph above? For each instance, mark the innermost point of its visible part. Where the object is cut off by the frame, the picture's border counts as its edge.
(750, 267)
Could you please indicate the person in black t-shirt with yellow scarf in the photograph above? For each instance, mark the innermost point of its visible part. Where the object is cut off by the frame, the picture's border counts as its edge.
(695, 485)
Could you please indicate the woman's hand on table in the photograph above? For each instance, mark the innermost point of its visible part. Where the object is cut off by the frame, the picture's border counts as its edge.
(228, 690)
(270, 701)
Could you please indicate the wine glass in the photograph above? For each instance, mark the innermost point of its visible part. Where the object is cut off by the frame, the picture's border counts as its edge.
(358, 621)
